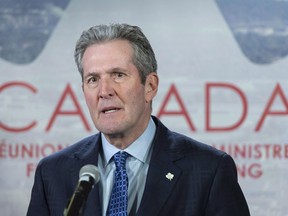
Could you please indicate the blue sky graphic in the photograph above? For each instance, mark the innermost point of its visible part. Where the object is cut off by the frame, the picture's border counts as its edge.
(25, 27)
(260, 27)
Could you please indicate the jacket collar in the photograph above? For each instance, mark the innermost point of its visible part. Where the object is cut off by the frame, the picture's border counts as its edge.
(162, 175)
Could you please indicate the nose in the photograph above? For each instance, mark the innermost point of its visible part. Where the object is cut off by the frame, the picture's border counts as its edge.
(106, 89)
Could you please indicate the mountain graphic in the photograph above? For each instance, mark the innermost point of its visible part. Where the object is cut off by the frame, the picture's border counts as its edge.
(260, 27)
(25, 27)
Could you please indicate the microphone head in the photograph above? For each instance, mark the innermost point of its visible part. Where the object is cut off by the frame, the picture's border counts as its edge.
(89, 170)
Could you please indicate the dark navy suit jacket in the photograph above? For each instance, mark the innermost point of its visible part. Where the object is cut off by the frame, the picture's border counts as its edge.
(204, 181)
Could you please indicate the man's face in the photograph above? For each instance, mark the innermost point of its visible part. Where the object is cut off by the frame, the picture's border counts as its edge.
(118, 103)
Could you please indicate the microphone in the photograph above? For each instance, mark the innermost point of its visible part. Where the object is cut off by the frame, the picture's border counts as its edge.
(88, 177)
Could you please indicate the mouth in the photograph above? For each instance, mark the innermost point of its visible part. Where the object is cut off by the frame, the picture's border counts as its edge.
(110, 110)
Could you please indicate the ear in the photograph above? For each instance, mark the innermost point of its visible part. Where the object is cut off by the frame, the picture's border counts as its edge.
(151, 86)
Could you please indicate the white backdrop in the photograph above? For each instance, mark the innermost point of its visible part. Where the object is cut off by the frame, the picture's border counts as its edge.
(209, 90)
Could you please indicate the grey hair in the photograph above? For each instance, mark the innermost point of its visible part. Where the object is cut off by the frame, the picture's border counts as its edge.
(143, 57)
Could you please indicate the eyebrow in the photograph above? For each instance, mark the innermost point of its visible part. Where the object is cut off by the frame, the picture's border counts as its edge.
(91, 74)
(115, 69)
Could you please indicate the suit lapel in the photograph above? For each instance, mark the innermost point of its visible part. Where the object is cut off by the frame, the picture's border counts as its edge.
(88, 154)
(162, 175)
(160, 182)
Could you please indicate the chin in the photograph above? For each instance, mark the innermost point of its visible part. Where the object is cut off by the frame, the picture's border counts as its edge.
(107, 129)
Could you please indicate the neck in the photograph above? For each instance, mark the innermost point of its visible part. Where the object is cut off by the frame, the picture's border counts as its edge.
(123, 140)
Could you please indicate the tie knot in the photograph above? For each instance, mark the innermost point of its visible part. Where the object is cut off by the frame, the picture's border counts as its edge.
(120, 160)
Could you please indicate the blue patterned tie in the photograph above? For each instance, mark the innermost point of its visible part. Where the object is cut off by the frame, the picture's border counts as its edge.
(119, 196)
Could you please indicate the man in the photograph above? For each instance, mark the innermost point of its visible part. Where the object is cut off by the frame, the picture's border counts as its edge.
(168, 173)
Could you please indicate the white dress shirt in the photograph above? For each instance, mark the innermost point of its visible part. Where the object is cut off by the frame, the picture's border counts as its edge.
(136, 166)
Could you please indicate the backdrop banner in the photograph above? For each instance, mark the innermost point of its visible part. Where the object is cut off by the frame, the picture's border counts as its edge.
(223, 81)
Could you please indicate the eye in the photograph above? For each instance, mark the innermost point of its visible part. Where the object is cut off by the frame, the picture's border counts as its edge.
(118, 76)
(91, 80)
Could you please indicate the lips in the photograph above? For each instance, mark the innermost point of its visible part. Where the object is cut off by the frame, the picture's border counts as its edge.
(108, 110)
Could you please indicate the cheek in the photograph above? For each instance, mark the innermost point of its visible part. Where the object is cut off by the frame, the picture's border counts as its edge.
(90, 100)
(137, 98)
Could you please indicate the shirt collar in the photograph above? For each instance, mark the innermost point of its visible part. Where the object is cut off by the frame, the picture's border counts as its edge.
(141, 145)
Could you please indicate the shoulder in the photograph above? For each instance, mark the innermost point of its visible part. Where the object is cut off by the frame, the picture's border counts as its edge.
(81, 148)
(179, 144)
(192, 147)
(199, 157)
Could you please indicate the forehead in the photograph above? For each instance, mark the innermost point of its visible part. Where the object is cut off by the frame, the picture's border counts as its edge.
(110, 48)
(106, 55)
